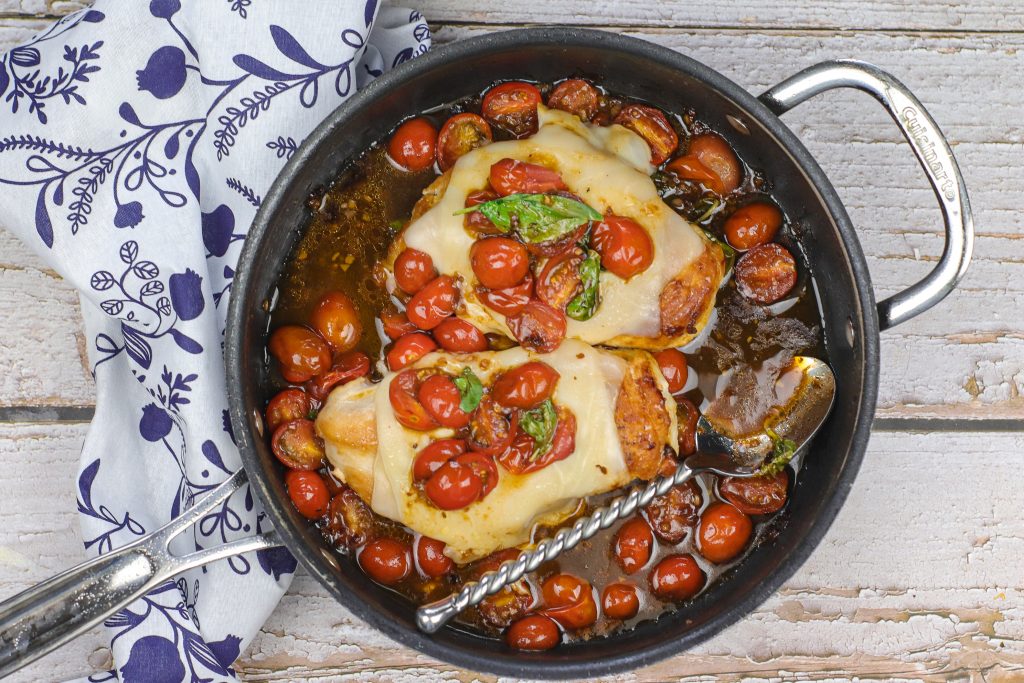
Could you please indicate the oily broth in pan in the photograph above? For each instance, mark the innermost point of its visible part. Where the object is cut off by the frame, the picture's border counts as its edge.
(352, 224)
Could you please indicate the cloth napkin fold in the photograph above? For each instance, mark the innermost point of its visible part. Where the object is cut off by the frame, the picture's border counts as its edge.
(136, 142)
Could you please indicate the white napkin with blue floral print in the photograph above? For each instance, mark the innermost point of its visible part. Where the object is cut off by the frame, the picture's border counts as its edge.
(136, 140)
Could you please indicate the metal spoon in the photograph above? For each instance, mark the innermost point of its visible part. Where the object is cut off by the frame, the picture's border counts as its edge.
(798, 421)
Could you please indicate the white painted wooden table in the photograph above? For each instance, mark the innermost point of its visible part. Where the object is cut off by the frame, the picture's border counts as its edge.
(922, 575)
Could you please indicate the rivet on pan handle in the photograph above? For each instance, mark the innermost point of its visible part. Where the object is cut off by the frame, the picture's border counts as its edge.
(932, 151)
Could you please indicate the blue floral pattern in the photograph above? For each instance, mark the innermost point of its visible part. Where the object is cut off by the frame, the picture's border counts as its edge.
(135, 150)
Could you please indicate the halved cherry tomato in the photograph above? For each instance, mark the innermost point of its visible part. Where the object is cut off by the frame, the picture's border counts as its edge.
(300, 352)
(349, 366)
(519, 457)
(386, 560)
(620, 601)
(508, 301)
(677, 577)
(570, 601)
(290, 404)
(511, 176)
(577, 97)
(534, 632)
(687, 416)
(538, 327)
(499, 262)
(673, 366)
(483, 466)
(461, 336)
(453, 486)
(511, 602)
(625, 247)
(412, 145)
(689, 167)
(414, 269)
(430, 557)
(525, 386)
(634, 544)
(476, 222)
(652, 125)
(395, 322)
(297, 446)
(308, 493)
(461, 134)
(672, 515)
(552, 248)
(349, 520)
(560, 280)
(766, 273)
(435, 454)
(752, 225)
(512, 107)
(439, 395)
(716, 154)
(336, 318)
(490, 430)
(408, 410)
(408, 349)
(432, 304)
(723, 532)
(757, 495)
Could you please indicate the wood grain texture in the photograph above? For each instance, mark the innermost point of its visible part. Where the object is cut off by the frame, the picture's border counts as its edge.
(918, 578)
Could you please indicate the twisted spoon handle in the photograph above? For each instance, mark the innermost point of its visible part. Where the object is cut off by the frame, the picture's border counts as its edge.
(431, 617)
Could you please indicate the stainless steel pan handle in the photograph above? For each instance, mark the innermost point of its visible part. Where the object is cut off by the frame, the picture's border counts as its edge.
(60, 609)
(932, 151)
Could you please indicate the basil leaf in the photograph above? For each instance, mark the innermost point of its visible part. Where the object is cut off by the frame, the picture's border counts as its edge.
(583, 305)
(540, 424)
(782, 453)
(536, 217)
(470, 388)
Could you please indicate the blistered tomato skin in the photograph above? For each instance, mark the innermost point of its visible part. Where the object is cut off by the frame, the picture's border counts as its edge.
(386, 560)
(560, 280)
(687, 417)
(414, 269)
(408, 410)
(624, 245)
(349, 520)
(433, 303)
(511, 176)
(723, 533)
(512, 107)
(766, 273)
(577, 97)
(430, 458)
(408, 349)
(460, 336)
(717, 155)
(349, 366)
(308, 493)
(525, 386)
(336, 318)
(672, 515)
(290, 404)
(569, 600)
(538, 327)
(509, 301)
(490, 430)
(300, 352)
(430, 557)
(633, 546)
(758, 495)
(412, 145)
(439, 395)
(752, 225)
(395, 323)
(653, 126)
(453, 486)
(297, 446)
(460, 135)
(673, 366)
(499, 262)
(620, 601)
(677, 577)
(533, 632)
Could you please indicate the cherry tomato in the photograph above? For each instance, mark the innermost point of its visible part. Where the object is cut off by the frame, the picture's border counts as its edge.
(511, 602)
(296, 444)
(687, 416)
(723, 532)
(716, 154)
(483, 466)
(430, 557)
(538, 327)
(476, 222)
(677, 577)
(512, 107)
(290, 404)
(672, 515)
(308, 493)
(432, 304)
(349, 520)
(431, 457)
(508, 301)
(300, 352)
(570, 601)
(555, 247)
(412, 145)
(766, 273)
(456, 334)
(395, 322)
(336, 318)
(752, 225)
(490, 430)
(439, 395)
(414, 269)
(634, 544)
(620, 601)
(577, 97)
(525, 386)
(519, 457)
(625, 247)
(673, 366)
(533, 632)
(386, 560)
(650, 124)
(560, 280)
(461, 134)
(689, 167)
(510, 176)
(349, 366)
(409, 349)
(758, 495)
(453, 486)
(499, 262)
(408, 410)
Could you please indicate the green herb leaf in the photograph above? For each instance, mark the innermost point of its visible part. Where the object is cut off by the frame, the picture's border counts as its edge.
(395, 225)
(540, 424)
(730, 253)
(470, 388)
(536, 217)
(584, 305)
(782, 453)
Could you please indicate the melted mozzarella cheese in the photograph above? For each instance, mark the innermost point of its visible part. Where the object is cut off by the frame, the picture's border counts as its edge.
(609, 169)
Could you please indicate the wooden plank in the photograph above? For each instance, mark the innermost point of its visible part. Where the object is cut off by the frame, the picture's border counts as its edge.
(918, 578)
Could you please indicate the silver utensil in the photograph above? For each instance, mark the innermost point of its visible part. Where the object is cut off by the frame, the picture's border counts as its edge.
(798, 421)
